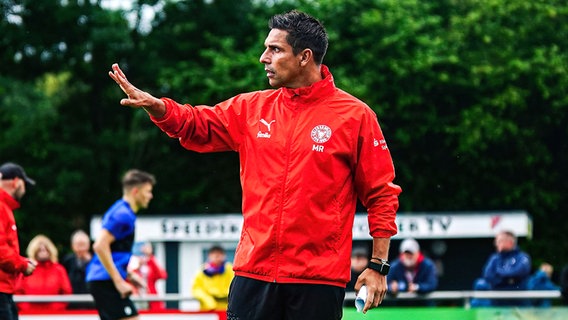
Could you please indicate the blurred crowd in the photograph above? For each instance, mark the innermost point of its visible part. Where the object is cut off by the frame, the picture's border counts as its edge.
(41, 272)
(507, 269)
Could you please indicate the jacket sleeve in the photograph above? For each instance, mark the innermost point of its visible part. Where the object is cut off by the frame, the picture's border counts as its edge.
(10, 260)
(199, 291)
(203, 128)
(489, 271)
(65, 282)
(157, 270)
(374, 175)
(65, 288)
(428, 282)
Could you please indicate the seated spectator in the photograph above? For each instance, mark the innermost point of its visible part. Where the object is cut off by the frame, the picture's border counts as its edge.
(564, 284)
(412, 271)
(507, 269)
(211, 284)
(49, 276)
(541, 280)
(144, 264)
(359, 260)
(75, 264)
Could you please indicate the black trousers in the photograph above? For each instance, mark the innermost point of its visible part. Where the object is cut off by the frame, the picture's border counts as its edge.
(251, 299)
(8, 309)
(110, 305)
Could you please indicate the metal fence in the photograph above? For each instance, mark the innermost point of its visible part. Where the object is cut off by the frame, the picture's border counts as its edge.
(464, 297)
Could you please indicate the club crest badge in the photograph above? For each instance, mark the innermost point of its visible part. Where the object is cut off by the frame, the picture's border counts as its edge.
(321, 133)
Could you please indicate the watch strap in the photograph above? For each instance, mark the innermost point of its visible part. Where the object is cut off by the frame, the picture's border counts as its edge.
(382, 268)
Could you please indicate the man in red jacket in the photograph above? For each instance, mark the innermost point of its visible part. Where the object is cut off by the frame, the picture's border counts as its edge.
(307, 151)
(13, 183)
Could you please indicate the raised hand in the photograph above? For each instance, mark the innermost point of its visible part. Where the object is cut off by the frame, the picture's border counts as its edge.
(136, 97)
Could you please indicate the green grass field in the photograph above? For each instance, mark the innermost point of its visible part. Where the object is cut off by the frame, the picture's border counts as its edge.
(457, 313)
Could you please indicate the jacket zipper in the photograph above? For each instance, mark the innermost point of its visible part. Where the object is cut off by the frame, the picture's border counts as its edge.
(293, 122)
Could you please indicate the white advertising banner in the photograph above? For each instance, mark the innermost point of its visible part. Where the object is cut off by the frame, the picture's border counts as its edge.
(227, 227)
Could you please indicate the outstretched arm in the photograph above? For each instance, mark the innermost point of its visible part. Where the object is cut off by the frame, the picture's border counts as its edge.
(136, 97)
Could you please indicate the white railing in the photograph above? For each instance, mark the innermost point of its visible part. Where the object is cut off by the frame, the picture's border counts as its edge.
(464, 296)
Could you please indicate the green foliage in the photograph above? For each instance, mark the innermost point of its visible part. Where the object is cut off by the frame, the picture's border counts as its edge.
(471, 95)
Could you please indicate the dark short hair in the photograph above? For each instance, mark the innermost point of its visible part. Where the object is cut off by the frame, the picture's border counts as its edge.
(304, 31)
(135, 177)
(216, 249)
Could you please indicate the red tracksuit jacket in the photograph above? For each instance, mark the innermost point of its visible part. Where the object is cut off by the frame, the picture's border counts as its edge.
(306, 154)
(48, 278)
(11, 263)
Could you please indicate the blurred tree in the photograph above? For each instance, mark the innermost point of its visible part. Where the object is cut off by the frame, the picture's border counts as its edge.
(471, 96)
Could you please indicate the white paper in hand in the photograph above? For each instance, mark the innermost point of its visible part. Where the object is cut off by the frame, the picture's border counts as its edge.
(361, 298)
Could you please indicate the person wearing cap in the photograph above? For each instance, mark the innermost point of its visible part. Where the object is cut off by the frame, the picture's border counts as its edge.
(13, 184)
(412, 271)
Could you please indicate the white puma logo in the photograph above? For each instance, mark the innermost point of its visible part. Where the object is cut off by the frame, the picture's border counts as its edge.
(267, 124)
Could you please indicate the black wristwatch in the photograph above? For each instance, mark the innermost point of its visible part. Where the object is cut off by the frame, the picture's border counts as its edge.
(382, 268)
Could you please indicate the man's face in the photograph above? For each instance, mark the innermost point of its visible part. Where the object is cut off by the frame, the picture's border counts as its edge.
(81, 245)
(504, 243)
(216, 258)
(144, 195)
(281, 65)
(409, 259)
(20, 189)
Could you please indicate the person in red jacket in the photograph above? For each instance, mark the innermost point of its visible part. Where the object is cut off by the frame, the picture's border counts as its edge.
(49, 277)
(144, 264)
(13, 184)
(308, 150)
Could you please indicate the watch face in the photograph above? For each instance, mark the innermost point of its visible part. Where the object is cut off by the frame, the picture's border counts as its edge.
(385, 270)
(382, 268)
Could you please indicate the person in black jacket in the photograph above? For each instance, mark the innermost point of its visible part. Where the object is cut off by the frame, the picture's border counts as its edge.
(75, 264)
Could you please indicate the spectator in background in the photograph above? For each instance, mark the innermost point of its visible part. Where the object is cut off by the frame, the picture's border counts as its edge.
(412, 271)
(75, 264)
(144, 264)
(13, 185)
(211, 284)
(507, 269)
(359, 261)
(49, 277)
(541, 280)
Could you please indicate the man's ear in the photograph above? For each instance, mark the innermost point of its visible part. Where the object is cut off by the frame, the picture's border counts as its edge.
(306, 56)
(15, 182)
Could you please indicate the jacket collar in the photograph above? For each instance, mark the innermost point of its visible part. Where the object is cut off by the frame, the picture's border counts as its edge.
(316, 91)
(12, 203)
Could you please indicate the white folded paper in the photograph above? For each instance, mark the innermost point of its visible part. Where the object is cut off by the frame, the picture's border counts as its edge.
(361, 298)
